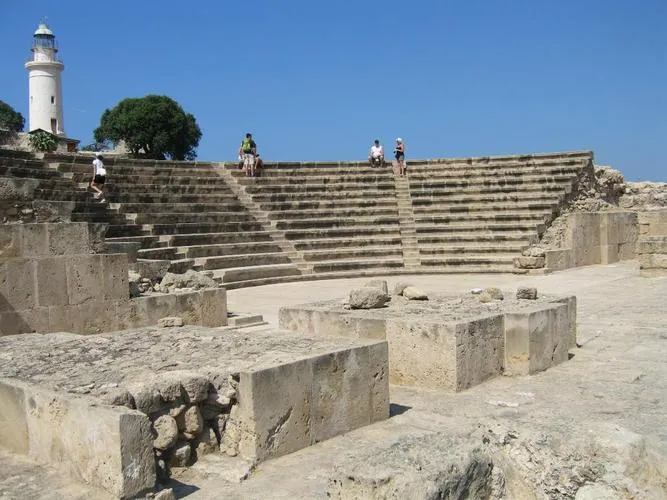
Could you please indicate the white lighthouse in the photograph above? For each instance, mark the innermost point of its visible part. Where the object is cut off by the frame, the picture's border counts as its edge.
(46, 97)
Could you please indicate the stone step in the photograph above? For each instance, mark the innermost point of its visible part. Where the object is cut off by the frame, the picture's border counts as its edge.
(227, 249)
(468, 260)
(472, 248)
(354, 242)
(339, 204)
(109, 217)
(472, 198)
(219, 188)
(214, 227)
(204, 217)
(486, 227)
(344, 188)
(336, 222)
(147, 178)
(136, 169)
(242, 260)
(334, 213)
(345, 178)
(359, 263)
(444, 173)
(27, 173)
(325, 196)
(341, 232)
(175, 198)
(454, 238)
(145, 242)
(126, 230)
(518, 217)
(161, 208)
(518, 189)
(475, 182)
(202, 239)
(163, 253)
(459, 208)
(255, 272)
(348, 253)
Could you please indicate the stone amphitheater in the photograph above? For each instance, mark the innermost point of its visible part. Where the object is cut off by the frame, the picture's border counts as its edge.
(550, 398)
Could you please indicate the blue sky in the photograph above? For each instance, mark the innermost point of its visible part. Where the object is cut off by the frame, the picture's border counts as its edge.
(320, 80)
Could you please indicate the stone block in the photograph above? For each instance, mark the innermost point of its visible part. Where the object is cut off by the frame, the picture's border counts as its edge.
(652, 260)
(558, 260)
(130, 248)
(154, 270)
(34, 240)
(609, 254)
(60, 430)
(10, 241)
(571, 326)
(26, 321)
(212, 307)
(52, 282)
(449, 356)
(524, 262)
(18, 288)
(68, 238)
(84, 278)
(536, 339)
(113, 271)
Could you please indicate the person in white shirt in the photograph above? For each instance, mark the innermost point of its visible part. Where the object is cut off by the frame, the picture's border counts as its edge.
(99, 177)
(377, 153)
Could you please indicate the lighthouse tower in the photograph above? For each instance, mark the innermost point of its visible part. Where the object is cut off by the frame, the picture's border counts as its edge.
(46, 101)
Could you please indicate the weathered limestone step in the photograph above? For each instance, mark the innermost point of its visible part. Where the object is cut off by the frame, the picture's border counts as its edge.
(202, 239)
(318, 188)
(126, 230)
(335, 222)
(332, 253)
(344, 178)
(144, 242)
(459, 208)
(255, 272)
(130, 188)
(468, 259)
(348, 264)
(191, 228)
(437, 172)
(473, 236)
(230, 249)
(354, 241)
(512, 247)
(409, 242)
(331, 204)
(481, 217)
(333, 212)
(439, 192)
(193, 217)
(475, 198)
(370, 231)
(157, 208)
(157, 197)
(326, 195)
(25, 172)
(485, 227)
(241, 260)
(147, 179)
(179, 266)
(127, 170)
(469, 182)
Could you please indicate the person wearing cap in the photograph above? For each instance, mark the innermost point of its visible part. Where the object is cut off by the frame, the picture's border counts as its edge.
(248, 153)
(99, 178)
(377, 153)
(399, 154)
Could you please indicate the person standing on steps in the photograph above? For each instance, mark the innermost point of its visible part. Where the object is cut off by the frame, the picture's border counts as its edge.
(99, 177)
(399, 154)
(248, 153)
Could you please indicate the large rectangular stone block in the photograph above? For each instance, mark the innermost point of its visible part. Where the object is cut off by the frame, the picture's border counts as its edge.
(26, 321)
(114, 276)
(68, 238)
(84, 279)
(559, 260)
(108, 447)
(18, 289)
(536, 340)
(34, 240)
(10, 241)
(652, 260)
(52, 282)
(86, 318)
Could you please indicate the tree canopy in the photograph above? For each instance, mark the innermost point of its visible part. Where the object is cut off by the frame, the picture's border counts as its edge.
(155, 126)
(10, 119)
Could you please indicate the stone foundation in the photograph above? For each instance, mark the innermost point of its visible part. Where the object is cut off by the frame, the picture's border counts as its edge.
(652, 244)
(50, 281)
(451, 343)
(120, 410)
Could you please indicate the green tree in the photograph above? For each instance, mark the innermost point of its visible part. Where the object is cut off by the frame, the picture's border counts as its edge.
(10, 119)
(154, 126)
(41, 140)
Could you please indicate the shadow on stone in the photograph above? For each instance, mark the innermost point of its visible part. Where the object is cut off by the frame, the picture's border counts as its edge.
(396, 409)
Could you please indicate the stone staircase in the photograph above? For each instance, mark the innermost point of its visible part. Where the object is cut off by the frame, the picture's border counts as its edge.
(477, 214)
(183, 212)
(316, 220)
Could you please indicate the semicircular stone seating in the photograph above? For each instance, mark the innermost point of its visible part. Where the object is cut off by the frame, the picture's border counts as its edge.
(315, 220)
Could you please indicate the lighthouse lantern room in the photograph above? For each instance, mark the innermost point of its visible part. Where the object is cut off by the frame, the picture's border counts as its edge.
(45, 84)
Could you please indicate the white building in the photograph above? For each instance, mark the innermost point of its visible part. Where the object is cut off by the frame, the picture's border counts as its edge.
(46, 97)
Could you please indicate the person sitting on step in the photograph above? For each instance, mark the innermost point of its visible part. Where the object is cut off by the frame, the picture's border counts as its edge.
(376, 157)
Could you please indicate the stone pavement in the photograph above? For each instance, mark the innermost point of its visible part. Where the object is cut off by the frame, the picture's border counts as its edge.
(599, 417)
